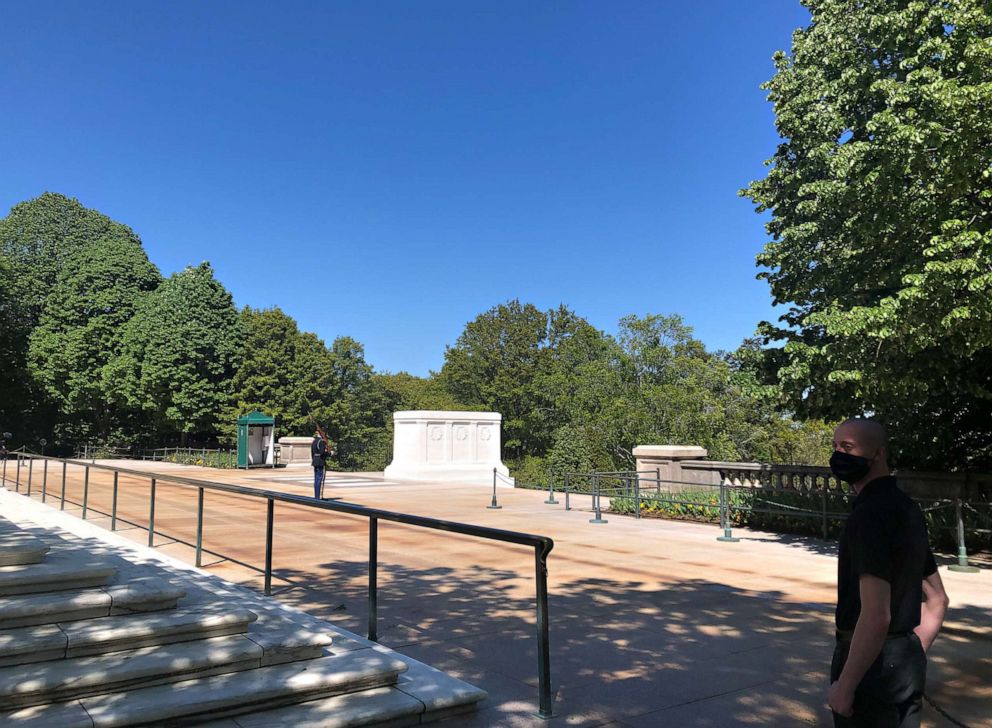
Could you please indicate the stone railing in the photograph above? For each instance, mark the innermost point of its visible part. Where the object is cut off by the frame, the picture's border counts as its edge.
(922, 485)
(685, 465)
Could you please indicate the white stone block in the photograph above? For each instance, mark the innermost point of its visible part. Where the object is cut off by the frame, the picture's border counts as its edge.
(451, 447)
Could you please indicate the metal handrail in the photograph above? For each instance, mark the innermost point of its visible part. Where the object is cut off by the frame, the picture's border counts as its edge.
(542, 545)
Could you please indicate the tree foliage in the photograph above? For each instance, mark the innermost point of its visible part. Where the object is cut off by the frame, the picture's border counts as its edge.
(493, 366)
(95, 345)
(79, 331)
(39, 237)
(22, 402)
(179, 353)
(267, 375)
(880, 202)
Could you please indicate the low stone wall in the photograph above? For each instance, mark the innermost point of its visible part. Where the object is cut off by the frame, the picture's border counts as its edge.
(294, 450)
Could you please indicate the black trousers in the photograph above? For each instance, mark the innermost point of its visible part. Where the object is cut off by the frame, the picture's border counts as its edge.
(891, 693)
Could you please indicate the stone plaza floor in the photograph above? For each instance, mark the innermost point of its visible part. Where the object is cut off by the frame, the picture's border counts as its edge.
(653, 622)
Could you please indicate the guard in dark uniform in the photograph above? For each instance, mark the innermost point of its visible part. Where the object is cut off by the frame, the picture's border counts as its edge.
(890, 599)
(318, 457)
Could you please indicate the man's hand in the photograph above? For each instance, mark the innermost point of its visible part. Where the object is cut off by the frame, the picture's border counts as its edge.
(841, 701)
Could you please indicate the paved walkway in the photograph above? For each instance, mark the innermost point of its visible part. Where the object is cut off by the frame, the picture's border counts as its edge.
(652, 622)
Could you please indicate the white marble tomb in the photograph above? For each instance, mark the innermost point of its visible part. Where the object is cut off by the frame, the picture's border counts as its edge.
(450, 447)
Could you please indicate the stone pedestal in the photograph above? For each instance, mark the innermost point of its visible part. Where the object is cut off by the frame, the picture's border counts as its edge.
(294, 451)
(664, 463)
(453, 447)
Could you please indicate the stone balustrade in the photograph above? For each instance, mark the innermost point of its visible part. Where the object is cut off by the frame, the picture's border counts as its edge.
(684, 465)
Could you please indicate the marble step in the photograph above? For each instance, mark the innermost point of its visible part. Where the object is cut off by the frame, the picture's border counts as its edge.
(137, 596)
(209, 698)
(61, 680)
(422, 694)
(19, 547)
(60, 571)
(113, 634)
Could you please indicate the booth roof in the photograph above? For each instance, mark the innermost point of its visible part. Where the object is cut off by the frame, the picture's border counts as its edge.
(256, 418)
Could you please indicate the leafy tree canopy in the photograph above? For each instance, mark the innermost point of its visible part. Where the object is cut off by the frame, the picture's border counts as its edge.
(79, 332)
(408, 392)
(23, 406)
(40, 236)
(179, 353)
(880, 202)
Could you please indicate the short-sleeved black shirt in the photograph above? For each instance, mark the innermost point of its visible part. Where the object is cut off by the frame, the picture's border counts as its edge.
(885, 536)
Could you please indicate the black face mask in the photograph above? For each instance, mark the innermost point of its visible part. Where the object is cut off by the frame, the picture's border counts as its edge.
(849, 468)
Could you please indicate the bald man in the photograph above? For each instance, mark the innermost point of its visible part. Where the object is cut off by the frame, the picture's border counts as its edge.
(890, 599)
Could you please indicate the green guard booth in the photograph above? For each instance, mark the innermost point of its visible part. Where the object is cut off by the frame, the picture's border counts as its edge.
(256, 440)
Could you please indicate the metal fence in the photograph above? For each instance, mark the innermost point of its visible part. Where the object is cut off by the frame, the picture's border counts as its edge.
(816, 497)
(219, 458)
(542, 545)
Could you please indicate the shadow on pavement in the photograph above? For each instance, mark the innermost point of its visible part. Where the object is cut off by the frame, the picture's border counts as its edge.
(697, 653)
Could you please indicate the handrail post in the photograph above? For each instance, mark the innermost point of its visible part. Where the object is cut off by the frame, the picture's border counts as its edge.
(373, 627)
(151, 515)
(637, 494)
(595, 500)
(86, 489)
(62, 505)
(270, 514)
(113, 506)
(494, 506)
(962, 565)
(567, 483)
(5, 470)
(823, 502)
(551, 489)
(17, 484)
(728, 536)
(199, 528)
(545, 709)
(30, 471)
(44, 482)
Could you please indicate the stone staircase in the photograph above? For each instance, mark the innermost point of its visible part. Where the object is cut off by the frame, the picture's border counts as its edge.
(92, 638)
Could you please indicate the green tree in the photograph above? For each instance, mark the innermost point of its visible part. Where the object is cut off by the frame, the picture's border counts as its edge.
(267, 372)
(358, 417)
(498, 364)
(24, 410)
(38, 237)
(405, 391)
(357, 404)
(880, 202)
(179, 353)
(312, 385)
(79, 332)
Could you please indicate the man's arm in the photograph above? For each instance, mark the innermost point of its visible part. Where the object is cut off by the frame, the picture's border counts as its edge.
(869, 636)
(933, 610)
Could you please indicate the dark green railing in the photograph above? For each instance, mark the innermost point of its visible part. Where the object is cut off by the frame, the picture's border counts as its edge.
(542, 545)
(739, 493)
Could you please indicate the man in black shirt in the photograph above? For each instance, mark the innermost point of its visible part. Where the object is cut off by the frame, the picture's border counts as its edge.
(890, 599)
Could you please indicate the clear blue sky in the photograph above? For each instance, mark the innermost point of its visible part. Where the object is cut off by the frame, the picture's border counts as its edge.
(389, 170)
